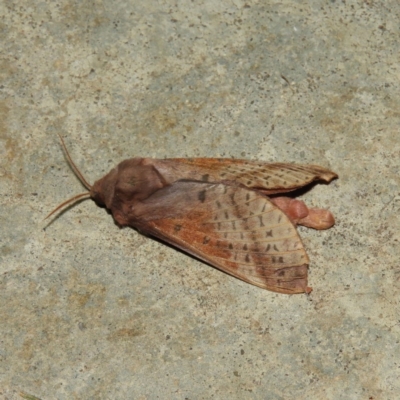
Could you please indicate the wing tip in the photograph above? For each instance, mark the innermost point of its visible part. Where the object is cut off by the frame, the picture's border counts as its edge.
(324, 174)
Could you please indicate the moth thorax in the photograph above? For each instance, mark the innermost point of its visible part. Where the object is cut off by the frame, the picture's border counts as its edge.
(137, 182)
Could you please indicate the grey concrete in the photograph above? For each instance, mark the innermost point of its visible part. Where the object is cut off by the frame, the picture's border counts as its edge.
(89, 311)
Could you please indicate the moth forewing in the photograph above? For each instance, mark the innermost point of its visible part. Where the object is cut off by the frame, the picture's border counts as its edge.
(232, 228)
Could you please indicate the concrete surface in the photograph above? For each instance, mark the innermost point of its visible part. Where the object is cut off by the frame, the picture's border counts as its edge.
(89, 311)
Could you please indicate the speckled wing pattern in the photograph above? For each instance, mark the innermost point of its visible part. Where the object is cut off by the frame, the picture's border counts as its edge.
(269, 177)
(233, 228)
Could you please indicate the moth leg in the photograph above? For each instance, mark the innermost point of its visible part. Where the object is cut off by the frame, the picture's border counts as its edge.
(300, 214)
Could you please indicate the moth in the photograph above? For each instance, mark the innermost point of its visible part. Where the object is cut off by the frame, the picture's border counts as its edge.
(228, 213)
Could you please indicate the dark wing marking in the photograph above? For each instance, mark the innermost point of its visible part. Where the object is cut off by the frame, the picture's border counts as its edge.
(232, 228)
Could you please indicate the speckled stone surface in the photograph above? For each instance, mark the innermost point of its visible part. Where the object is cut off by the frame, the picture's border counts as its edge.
(91, 311)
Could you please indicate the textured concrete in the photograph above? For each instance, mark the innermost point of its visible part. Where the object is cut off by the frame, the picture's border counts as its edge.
(90, 311)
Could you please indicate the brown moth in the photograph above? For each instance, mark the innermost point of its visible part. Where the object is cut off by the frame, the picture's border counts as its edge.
(219, 211)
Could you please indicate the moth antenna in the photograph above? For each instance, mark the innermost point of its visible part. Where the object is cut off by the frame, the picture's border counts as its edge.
(72, 200)
(74, 167)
